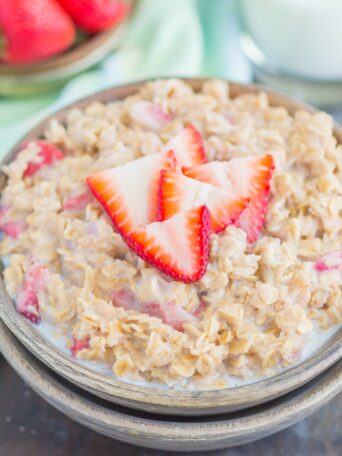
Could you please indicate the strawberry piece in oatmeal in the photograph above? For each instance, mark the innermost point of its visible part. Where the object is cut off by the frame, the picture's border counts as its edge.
(27, 302)
(329, 262)
(149, 115)
(125, 299)
(77, 202)
(171, 313)
(28, 305)
(78, 345)
(13, 228)
(197, 312)
(48, 154)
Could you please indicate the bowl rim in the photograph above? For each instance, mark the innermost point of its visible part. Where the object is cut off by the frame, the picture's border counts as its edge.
(149, 397)
(155, 432)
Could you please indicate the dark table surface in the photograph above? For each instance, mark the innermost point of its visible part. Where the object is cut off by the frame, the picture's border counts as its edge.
(29, 426)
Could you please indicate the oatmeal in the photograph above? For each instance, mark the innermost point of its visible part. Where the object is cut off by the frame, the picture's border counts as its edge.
(239, 295)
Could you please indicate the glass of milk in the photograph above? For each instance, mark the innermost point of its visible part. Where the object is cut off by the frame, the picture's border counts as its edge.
(298, 42)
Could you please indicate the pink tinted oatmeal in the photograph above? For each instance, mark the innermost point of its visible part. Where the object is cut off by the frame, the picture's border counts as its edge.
(255, 306)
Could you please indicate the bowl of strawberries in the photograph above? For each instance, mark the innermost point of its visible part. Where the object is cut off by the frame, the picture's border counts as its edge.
(43, 43)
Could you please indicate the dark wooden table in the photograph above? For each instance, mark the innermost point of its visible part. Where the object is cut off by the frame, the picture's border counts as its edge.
(29, 426)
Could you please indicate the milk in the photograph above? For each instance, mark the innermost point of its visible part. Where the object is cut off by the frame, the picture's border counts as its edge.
(59, 338)
(301, 37)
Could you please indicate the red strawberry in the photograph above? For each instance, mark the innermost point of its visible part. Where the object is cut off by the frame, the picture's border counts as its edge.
(179, 193)
(125, 299)
(48, 154)
(188, 148)
(246, 176)
(171, 313)
(129, 193)
(77, 202)
(27, 302)
(95, 15)
(149, 115)
(34, 30)
(178, 246)
(330, 262)
(197, 312)
(28, 305)
(13, 228)
(78, 345)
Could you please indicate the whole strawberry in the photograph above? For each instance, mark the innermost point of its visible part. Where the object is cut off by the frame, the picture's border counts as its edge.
(95, 15)
(33, 30)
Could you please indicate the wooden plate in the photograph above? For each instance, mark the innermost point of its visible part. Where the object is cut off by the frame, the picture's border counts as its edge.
(170, 433)
(153, 398)
(18, 80)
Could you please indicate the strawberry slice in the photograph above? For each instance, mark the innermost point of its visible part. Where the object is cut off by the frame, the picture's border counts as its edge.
(330, 262)
(77, 202)
(246, 176)
(129, 193)
(188, 148)
(149, 115)
(179, 193)
(27, 302)
(171, 313)
(178, 246)
(125, 299)
(78, 345)
(13, 228)
(48, 154)
(28, 305)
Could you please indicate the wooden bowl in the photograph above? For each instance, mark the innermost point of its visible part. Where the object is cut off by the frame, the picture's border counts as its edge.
(173, 433)
(29, 79)
(154, 398)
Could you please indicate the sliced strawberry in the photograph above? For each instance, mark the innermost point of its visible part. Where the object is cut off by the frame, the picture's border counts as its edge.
(129, 193)
(246, 176)
(77, 202)
(125, 299)
(28, 305)
(188, 148)
(149, 115)
(171, 313)
(179, 193)
(329, 262)
(13, 228)
(178, 246)
(27, 302)
(78, 345)
(36, 278)
(197, 312)
(48, 154)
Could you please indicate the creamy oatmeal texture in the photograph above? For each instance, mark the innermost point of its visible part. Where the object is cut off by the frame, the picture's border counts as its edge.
(255, 306)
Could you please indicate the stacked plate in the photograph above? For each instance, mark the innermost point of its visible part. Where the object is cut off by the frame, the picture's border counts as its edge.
(158, 417)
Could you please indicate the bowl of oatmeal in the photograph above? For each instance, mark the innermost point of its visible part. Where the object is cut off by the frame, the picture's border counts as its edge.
(175, 245)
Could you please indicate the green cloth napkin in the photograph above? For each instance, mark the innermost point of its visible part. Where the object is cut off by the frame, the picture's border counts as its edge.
(164, 38)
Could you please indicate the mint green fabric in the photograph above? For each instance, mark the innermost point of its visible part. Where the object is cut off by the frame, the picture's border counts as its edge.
(164, 38)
